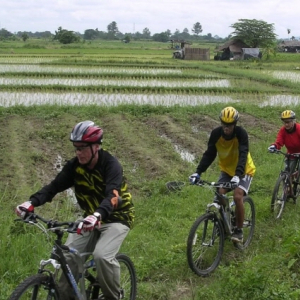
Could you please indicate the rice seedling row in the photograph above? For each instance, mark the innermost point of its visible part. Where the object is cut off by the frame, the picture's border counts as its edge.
(107, 99)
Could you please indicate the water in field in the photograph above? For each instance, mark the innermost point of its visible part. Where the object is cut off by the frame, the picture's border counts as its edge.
(26, 98)
(281, 100)
(114, 82)
(36, 69)
(184, 154)
(287, 75)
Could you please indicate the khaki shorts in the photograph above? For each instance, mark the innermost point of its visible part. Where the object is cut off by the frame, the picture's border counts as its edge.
(244, 184)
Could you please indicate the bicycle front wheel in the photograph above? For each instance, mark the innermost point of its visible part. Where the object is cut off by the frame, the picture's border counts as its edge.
(279, 196)
(36, 287)
(249, 223)
(205, 244)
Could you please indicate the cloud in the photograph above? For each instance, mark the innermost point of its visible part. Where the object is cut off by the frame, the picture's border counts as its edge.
(215, 16)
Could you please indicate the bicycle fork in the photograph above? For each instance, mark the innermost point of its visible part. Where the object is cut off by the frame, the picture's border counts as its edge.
(225, 214)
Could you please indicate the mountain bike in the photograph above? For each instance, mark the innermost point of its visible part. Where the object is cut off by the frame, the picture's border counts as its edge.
(205, 243)
(287, 185)
(43, 285)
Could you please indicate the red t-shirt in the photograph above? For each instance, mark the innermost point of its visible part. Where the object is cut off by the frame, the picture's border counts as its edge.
(291, 140)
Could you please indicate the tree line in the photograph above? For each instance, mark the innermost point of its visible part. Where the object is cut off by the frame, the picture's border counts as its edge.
(255, 33)
(66, 36)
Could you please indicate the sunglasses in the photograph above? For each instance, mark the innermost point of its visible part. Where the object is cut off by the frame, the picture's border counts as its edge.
(227, 125)
(81, 148)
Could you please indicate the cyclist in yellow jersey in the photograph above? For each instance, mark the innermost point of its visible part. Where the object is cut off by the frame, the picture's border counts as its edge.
(101, 192)
(230, 142)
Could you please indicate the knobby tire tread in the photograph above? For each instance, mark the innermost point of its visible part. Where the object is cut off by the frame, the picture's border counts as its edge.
(38, 279)
(123, 258)
(248, 201)
(209, 217)
(280, 183)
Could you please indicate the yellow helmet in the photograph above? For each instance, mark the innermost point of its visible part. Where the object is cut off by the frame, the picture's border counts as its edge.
(229, 115)
(288, 114)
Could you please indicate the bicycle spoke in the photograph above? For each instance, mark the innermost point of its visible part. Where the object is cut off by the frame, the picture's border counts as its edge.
(35, 288)
(205, 245)
(249, 223)
(279, 196)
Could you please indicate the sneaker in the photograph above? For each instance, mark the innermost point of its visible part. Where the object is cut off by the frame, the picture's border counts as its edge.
(237, 236)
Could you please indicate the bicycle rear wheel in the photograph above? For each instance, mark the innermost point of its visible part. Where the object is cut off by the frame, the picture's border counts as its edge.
(279, 196)
(128, 280)
(205, 244)
(249, 223)
(36, 287)
(296, 188)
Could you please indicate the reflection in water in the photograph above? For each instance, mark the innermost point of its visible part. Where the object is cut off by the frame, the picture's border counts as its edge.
(83, 70)
(287, 75)
(281, 100)
(114, 82)
(184, 154)
(19, 98)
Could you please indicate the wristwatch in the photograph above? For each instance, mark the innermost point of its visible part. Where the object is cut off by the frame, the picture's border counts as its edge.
(98, 216)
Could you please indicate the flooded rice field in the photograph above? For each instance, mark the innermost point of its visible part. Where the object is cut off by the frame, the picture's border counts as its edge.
(287, 75)
(27, 98)
(4, 68)
(39, 77)
(103, 82)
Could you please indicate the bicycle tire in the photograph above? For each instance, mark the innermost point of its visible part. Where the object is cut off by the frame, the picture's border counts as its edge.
(36, 287)
(206, 233)
(128, 280)
(279, 196)
(249, 223)
(296, 188)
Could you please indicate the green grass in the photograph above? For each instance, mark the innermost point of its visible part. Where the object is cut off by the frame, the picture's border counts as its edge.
(143, 137)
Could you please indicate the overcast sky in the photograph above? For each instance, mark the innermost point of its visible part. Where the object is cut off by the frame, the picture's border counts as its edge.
(215, 16)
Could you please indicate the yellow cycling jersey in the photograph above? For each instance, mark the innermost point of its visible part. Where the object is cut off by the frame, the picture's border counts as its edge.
(228, 154)
(233, 153)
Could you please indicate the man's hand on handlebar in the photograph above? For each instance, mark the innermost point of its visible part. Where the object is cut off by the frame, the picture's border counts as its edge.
(272, 149)
(24, 209)
(235, 180)
(88, 224)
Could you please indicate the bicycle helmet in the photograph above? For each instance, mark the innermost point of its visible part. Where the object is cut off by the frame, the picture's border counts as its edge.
(229, 115)
(87, 132)
(288, 114)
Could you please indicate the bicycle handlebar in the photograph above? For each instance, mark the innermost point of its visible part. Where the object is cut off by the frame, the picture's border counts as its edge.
(297, 155)
(224, 185)
(70, 227)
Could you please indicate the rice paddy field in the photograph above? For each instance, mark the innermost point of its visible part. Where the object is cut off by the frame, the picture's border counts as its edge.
(157, 113)
(149, 75)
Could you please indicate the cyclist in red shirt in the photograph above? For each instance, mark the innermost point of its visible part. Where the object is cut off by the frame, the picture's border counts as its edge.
(288, 136)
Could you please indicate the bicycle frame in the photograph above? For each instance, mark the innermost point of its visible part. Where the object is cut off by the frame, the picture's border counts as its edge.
(45, 284)
(292, 177)
(225, 213)
(57, 258)
(205, 243)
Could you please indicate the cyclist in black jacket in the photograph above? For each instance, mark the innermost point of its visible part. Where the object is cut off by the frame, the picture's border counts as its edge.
(101, 192)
